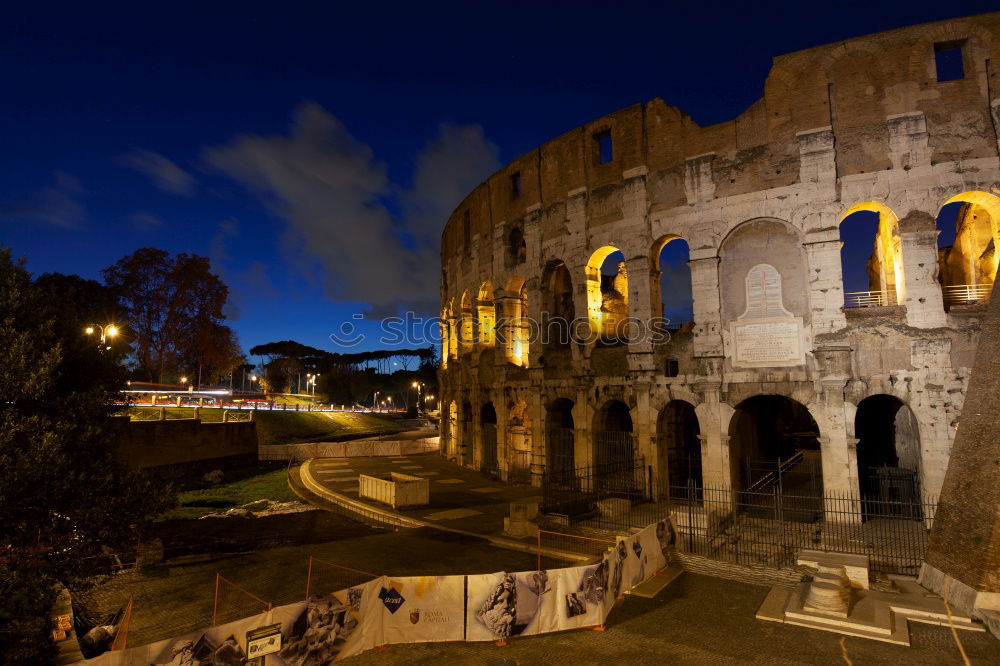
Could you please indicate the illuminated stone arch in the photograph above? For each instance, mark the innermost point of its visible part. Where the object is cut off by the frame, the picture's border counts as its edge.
(607, 299)
(887, 283)
(515, 331)
(486, 315)
(972, 261)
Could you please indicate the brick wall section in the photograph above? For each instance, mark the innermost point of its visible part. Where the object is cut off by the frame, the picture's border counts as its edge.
(965, 540)
(143, 444)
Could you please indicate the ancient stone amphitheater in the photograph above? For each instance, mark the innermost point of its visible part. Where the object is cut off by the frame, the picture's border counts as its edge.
(778, 375)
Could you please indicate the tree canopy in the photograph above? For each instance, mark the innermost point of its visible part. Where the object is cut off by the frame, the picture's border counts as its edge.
(174, 310)
(64, 497)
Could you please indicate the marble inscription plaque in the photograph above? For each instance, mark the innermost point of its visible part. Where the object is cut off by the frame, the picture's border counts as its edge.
(767, 342)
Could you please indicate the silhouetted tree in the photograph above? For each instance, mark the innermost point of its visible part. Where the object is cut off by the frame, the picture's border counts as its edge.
(174, 308)
(64, 497)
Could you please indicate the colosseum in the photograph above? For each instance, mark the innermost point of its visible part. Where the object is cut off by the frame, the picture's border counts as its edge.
(722, 332)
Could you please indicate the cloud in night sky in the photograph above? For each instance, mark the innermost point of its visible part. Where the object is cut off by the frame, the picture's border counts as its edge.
(145, 221)
(337, 201)
(58, 205)
(162, 171)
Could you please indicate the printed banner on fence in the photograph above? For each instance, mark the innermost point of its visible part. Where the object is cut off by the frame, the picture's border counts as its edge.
(422, 609)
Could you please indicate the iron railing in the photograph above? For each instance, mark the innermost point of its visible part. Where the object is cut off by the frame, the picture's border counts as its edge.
(870, 299)
(760, 528)
(966, 294)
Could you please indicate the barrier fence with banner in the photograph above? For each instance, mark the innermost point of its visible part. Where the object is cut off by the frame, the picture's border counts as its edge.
(384, 610)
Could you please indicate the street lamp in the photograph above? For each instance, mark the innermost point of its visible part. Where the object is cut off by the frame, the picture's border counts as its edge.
(419, 386)
(184, 380)
(107, 331)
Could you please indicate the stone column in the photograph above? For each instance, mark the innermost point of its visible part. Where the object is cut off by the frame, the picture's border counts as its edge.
(537, 435)
(640, 311)
(707, 308)
(583, 444)
(923, 299)
(533, 321)
(641, 427)
(713, 420)
(826, 282)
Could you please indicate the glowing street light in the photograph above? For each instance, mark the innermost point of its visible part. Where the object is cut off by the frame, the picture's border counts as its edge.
(107, 331)
(184, 380)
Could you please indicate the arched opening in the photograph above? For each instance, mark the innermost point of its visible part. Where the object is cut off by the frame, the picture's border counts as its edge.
(558, 311)
(515, 318)
(679, 443)
(888, 457)
(452, 330)
(465, 325)
(487, 316)
(871, 256)
(453, 435)
(519, 443)
(969, 232)
(671, 281)
(559, 445)
(490, 464)
(774, 449)
(617, 469)
(607, 295)
(517, 250)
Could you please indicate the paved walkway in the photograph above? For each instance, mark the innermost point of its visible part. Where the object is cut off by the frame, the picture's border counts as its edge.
(461, 499)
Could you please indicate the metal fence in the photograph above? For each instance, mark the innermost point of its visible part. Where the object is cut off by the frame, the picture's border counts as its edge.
(762, 528)
(966, 294)
(870, 299)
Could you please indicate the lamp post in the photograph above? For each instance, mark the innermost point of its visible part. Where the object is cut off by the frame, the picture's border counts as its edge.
(107, 331)
(375, 401)
(419, 386)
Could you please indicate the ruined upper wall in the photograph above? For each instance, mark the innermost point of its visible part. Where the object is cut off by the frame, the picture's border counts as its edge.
(852, 86)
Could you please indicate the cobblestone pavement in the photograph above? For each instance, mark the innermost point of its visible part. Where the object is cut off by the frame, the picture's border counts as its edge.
(698, 620)
(461, 498)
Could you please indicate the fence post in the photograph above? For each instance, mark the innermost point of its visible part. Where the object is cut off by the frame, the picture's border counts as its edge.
(309, 577)
(215, 606)
(539, 567)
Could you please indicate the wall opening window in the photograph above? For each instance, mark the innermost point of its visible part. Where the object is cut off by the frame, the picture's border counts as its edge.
(672, 368)
(515, 185)
(871, 257)
(517, 250)
(968, 235)
(948, 61)
(670, 256)
(607, 296)
(603, 147)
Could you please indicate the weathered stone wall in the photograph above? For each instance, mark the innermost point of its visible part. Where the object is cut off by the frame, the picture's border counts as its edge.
(143, 444)
(857, 125)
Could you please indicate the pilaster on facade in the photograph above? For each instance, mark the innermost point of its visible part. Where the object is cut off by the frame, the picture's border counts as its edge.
(699, 181)
(908, 140)
(818, 161)
(924, 301)
(707, 306)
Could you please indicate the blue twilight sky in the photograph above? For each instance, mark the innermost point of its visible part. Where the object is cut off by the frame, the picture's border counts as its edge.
(314, 150)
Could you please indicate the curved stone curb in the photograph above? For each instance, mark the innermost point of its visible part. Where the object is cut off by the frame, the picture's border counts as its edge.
(393, 518)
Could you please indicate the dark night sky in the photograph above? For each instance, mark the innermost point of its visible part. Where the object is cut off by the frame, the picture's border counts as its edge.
(290, 141)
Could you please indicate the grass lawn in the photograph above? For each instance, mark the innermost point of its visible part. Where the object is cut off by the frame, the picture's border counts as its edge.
(292, 427)
(286, 427)
(239, 487)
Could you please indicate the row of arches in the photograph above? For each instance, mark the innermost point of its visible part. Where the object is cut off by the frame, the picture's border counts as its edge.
(774, 446)
(872, 263)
